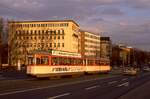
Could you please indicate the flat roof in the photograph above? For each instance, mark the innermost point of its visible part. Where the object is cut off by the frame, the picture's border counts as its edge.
(90, 32)
(44, 21)
(96, 33)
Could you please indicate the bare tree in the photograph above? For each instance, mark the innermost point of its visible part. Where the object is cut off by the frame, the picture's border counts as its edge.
(1, 42)
(12, 42)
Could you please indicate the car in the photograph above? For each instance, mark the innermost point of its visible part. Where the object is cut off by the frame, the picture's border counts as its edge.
(130, 71)
(146, 68)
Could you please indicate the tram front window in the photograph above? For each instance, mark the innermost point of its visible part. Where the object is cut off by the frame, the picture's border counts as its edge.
(30, 60)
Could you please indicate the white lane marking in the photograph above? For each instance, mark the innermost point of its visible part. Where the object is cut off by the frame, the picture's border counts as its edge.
(112, 82)
(124, 84)
(58, 96)
(124, 79)
(46, 87)
(92, 87)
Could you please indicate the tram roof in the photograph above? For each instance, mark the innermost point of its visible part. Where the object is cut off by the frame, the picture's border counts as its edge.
(41, 52)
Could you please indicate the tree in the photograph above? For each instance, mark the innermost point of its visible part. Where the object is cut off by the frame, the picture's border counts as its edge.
(1, 42)
(12, 42)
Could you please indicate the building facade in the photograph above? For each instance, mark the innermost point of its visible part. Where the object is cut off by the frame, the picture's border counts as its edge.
(27, 36)
(122, 55)
(105, 47)
(90, 44)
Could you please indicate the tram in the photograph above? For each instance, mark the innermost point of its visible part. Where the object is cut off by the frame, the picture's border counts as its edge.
(60, 63)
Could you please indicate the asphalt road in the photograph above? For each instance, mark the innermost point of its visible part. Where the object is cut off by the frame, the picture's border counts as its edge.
(86, 87)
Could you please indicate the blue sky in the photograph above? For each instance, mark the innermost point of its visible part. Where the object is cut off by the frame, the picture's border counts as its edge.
(125, 21)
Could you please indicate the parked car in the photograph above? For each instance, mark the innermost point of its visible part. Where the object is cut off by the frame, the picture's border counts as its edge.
(130, 71)
(146, 68)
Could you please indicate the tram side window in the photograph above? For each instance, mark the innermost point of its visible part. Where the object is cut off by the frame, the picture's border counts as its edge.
(102, 63)
(30, 60)
(72, 61)
(67, 61)
(76, 61)
(44, 60)
(98, 62)
(38, 61)
(55, 61)
(80, 62)
(90, 62)
(61, 61)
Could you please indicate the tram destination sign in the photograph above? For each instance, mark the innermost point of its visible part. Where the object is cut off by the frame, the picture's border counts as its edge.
(63, 53)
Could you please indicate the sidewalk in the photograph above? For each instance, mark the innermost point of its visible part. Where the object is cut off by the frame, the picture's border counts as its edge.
(12, 75)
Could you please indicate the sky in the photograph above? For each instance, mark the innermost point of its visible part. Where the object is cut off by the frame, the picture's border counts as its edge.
(125, 21)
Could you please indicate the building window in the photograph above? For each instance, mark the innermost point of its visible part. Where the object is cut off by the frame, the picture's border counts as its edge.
(50, 37)
(20, 31)
(63, 32)
(51, 32)
(31, 31)
(39, 32)
(54, 32)
(63, 45)
(58, 37)
(20, 37)
(54, 44)
(27, 32)
(17, 32)
(54, 37)
(47, 32)
(62, 37)
(58, 45)
(38, 44)
(35, 32)
(58, 32)
(43, 31)
(27, 37)
(50, 44)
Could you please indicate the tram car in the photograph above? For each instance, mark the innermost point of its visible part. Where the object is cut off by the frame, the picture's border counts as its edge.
(60, 63)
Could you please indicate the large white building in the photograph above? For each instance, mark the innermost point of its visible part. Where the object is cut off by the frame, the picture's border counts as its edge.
(27, 36)
(90, 44)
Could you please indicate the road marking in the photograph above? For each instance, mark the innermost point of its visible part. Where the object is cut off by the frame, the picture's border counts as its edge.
(92, 87)
(124, 79)
(58, 96)
(124, 84)
(51, 86)
(112, 82)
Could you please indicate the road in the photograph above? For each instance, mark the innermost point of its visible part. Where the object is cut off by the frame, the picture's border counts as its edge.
(85, 87)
